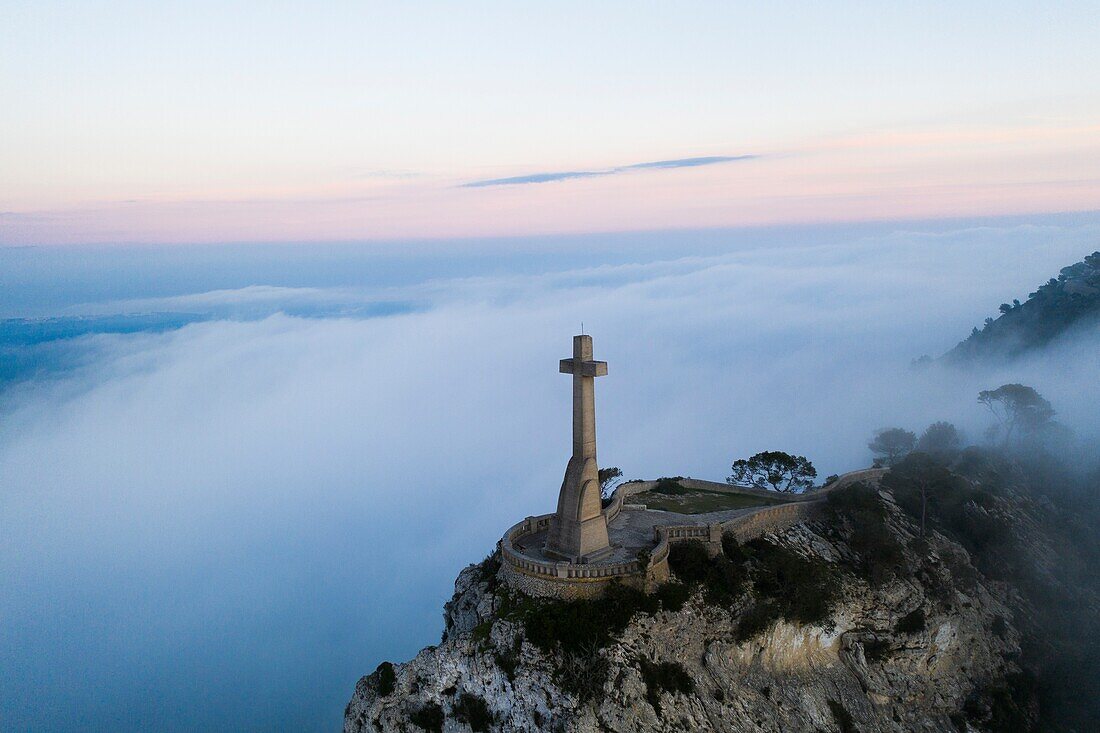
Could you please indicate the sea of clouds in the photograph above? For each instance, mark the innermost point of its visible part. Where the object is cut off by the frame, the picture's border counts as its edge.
(221, 526)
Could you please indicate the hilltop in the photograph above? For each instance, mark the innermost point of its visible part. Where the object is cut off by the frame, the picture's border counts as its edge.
(973, 611)
(1069, 301)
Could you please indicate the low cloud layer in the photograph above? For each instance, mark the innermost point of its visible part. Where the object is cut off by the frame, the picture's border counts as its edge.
(222, 526)
(567, 175)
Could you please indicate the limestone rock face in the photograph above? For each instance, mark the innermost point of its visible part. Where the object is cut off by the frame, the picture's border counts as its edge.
(860, 673)
(472, 603)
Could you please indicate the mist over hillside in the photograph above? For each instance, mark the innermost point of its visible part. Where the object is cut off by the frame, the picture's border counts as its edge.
(1063, 305)
(185, 506)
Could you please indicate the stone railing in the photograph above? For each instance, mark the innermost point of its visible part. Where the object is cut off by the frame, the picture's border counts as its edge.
(514, 557)
(798, 508)
(744, 528)
(618, 498)
(578, 580)
(666, 536)
(612, 510)
(660, 551)
(556, 569)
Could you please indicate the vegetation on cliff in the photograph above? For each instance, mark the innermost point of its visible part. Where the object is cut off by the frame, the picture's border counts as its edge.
(1023, 530)
(958, 588)
(573, 633)
(977, 544)
(1072, 299)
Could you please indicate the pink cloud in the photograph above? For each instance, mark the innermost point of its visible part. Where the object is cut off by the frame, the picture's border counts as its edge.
(877, 175)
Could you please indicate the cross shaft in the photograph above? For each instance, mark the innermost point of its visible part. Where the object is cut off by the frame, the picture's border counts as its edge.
(584, 370)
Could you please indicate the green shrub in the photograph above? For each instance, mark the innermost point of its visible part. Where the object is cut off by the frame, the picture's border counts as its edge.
(722, 579)
(757, 619)
(673, 596)
(857, 496)
(955, 507)
(786, 585)
(962, 572)
(980, 530)
(571, 626)
(670, 486)
(487, 569)
(731, 548)
(583, 673)
(661, 677)
(429, 717)
(936, 587)
(472, 710)
(386, 679)
(881, 556)
(573, 632)
(481, 632)
(803, 589)
(689, 561)
(1005, 706)
(726, 582)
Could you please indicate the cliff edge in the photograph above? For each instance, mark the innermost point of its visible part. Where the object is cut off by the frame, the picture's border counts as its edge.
(850, 621)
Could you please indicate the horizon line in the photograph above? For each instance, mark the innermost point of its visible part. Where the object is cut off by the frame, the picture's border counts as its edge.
(657, 231)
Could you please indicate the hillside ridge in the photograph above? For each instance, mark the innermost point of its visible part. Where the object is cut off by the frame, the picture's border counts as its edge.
(1070, 300)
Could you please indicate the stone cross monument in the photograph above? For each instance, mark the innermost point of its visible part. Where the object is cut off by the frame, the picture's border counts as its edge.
(578, 531)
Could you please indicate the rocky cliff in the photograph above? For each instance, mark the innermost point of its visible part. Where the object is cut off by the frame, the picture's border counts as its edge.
(849, 622)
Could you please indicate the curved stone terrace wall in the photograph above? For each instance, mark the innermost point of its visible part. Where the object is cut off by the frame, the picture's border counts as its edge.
(573, 581)
(519, 562)
(564, 580)
(556, 569)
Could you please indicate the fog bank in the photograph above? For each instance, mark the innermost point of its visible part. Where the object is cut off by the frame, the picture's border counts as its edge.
(221, 526)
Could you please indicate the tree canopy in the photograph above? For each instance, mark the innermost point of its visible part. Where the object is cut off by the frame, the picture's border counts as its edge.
(940, 439)
(609, 479)
(890, 445)
(774, 470)
(1020, 411)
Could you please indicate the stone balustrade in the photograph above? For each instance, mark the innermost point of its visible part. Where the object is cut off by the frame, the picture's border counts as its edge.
(556, 569)
(619, 497)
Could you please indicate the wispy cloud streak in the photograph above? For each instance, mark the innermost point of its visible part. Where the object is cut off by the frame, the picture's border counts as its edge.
(567, 175)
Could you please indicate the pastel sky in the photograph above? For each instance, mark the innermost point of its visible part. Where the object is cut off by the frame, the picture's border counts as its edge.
(249, 121)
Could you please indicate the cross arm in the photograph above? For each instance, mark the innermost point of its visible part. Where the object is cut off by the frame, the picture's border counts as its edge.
(587, 368)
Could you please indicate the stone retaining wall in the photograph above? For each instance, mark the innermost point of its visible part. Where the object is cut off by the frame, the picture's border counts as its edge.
(573, 589)
(772, 519)
(621, 492)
